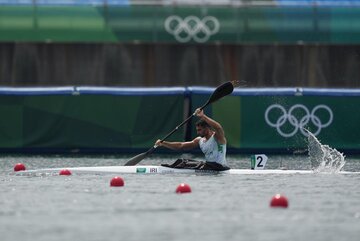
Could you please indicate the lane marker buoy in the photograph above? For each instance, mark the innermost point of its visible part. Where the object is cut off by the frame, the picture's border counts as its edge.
(183, 188)
(65, 172)
(19, 167)
(279, 201)
(117, 182)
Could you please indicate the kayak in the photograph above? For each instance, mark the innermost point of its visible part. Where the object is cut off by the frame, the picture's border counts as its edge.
(166, 170)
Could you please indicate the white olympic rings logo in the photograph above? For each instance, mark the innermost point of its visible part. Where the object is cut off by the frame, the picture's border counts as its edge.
(192, 27)
(298, 122)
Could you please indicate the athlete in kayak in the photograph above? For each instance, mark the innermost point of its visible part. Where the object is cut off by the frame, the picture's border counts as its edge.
(211, 141)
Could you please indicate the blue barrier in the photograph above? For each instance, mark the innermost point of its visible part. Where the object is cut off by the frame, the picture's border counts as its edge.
(186, 91)
(194, 2)
(131, 91)
(318, 3)
(69, 90)
(65, 2)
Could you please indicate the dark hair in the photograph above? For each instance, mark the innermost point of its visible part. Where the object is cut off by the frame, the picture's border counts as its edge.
(203, 124)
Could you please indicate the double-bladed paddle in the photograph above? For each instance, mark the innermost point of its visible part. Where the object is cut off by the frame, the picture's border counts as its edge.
(221, 91)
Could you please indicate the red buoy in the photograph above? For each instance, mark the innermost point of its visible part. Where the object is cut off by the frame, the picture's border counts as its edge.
(279, 201)
(117, 182)
(65, 172)
(19, 167)
(183, 188)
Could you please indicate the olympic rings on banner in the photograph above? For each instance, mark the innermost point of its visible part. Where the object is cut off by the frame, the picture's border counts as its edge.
(298, 123)
(192, 27)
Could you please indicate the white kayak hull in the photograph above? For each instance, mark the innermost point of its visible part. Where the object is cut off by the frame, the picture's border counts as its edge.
(167, 170)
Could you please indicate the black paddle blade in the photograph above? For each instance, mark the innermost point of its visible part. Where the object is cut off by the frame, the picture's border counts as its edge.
(221, 91)
(136, 159)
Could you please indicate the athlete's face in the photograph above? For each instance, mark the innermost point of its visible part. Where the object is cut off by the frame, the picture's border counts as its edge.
(201, 131)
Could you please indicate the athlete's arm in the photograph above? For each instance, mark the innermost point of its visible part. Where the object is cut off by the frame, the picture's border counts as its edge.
(219, 131)
(179, 146)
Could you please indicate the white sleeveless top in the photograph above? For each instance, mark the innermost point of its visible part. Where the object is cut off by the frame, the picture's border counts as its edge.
(213, 151)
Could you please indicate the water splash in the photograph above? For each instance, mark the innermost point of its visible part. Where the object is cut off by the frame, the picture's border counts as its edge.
(323, 158)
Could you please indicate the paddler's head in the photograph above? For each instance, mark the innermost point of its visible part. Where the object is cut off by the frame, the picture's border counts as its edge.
(202, 128)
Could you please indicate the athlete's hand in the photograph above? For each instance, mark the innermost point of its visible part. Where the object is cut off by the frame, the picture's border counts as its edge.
(199, 113)
(158, 142)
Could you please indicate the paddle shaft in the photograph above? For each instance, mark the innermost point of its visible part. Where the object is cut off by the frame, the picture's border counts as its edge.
(181, 124)
(176, 128)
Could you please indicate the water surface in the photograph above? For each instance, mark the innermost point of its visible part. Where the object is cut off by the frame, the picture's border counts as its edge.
(220, 207)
